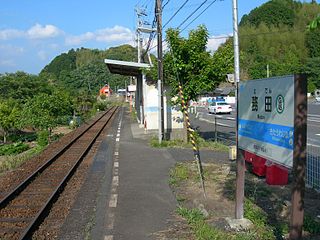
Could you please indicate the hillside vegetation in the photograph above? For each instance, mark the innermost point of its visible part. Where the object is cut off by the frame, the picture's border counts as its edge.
(276, 34)
(84, 69)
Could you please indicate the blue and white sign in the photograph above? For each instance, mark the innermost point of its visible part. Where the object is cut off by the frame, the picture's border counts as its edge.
(266, 118)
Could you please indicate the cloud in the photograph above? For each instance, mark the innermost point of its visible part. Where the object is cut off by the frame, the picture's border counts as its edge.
(115, 34)
(39, 32)
(35, 32)
(107, 35)
(77, 40)
(7, 34)
(215, 41)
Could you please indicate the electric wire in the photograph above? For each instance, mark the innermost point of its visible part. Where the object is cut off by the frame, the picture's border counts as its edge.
(192, 13)
(199, 15)
(164, 5)
(175, 13)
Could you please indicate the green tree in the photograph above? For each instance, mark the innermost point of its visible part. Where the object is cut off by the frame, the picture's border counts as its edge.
(189, 63)
(312, 70)
(44, 112)
(22, 86)
(223, 61)
(9, 110)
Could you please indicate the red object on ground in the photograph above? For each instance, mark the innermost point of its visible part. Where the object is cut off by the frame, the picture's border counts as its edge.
(259, 166)
(248, 156)
(276, 175)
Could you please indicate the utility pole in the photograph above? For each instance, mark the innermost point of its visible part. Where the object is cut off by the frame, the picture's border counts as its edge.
(160, 69)
(240, 159)
(140, 14)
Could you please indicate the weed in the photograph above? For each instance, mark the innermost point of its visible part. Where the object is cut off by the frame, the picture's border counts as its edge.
(178, 143)
(310, 225)
(43, 138)
(13, 149)
(12, 162)
(203, 231)
(180, 198)
(134, 114)
(260, 220)
(179, 173)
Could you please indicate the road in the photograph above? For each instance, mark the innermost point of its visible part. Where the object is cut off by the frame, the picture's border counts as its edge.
(226, 123)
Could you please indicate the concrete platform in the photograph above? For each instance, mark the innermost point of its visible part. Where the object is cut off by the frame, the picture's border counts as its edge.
(126, 194)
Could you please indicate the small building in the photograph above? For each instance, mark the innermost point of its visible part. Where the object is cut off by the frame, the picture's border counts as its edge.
(105, 90)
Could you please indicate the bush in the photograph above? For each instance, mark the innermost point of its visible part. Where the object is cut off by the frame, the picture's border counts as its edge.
(42, 138)
(23, 137)
(13, 149)
(102, 105)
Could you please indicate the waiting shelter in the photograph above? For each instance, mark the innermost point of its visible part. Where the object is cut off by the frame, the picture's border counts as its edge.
(146, 99)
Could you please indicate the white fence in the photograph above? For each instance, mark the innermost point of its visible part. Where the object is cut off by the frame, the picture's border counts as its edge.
(313, 167)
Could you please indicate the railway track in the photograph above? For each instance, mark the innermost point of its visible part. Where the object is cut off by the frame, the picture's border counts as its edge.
(25, 207)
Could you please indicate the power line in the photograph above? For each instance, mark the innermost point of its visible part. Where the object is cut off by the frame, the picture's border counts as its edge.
(164, 5)
(198, 15)
(192, 13)
(175, 13)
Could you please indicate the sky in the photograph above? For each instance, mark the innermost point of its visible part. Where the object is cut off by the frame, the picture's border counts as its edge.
(33, 32)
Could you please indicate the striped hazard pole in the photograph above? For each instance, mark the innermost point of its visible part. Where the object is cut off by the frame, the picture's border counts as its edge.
(191, 137)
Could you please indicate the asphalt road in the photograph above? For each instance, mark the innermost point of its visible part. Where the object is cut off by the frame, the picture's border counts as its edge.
(226, 123)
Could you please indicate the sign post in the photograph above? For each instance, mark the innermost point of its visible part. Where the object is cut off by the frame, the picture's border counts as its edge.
(272, 124)
(299, 157)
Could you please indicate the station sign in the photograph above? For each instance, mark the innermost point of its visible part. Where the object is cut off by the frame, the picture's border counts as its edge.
(266, 118)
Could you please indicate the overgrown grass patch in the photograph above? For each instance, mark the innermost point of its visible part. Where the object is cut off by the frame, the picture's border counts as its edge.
(13, 149)
(11, 162)
(204, 231)
(178, 143)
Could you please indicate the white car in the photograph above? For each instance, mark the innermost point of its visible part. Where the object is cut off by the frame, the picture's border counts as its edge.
(219, 107)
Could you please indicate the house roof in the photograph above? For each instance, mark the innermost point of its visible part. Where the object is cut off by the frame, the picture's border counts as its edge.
(125, 68)
(224, 91)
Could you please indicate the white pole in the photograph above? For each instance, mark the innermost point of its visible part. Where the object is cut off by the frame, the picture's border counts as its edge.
(159, 111)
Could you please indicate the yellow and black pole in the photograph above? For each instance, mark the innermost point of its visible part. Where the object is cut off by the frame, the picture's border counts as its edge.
(191, 136)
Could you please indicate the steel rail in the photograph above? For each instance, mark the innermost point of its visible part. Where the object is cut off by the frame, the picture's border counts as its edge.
(8, 197)
(40, 215)
(29, 230)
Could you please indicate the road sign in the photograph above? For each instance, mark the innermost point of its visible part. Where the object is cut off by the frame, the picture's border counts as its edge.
(266, 118)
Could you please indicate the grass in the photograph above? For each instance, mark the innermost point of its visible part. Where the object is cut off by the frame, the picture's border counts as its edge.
(185, 173)
(11, 162)
(204, 231)
(260, 220)
(134, 114)
(178, 174)
(178, 143)
(13, 149)
(310, 225)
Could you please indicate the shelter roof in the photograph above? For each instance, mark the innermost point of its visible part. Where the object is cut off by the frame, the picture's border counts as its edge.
(125, 68)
